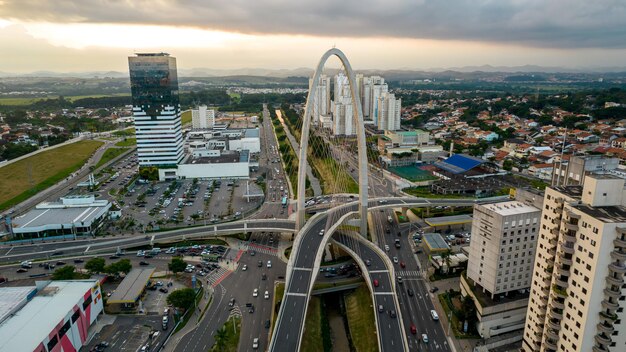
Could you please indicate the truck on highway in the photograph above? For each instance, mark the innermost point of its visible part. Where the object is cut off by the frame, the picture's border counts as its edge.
(284, 202)
(389, 219)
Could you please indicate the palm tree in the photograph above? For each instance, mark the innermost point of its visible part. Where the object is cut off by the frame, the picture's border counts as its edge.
(220, 338)
(445, 256)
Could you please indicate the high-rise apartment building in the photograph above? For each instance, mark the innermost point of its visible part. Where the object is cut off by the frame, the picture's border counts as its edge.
(202, 118)
(377, 88)
(321, 99)
(577, 297)
(571, 172)
(154, 88)
(388, 112)
(500, 266)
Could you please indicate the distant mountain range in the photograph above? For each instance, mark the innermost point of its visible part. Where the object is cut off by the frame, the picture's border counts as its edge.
(404, 73)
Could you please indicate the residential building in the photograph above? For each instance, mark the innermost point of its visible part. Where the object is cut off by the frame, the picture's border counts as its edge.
(577, 293)
(501, 255)
(572, 172)
(388, 112)
(156, 109)
(321, 98)
(202, 118)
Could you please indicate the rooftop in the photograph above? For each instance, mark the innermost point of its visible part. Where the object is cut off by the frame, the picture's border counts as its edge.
(61, 215)
(225, 157)
(611, 214)
(31, 324)
(11, 298)
(510, 208)
(459, 163)
(435, 241)
(131, 287)
(449, 220)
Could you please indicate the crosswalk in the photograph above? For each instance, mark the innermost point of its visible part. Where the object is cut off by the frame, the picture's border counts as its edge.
(410, 273)
(262, 249)
(217, 276)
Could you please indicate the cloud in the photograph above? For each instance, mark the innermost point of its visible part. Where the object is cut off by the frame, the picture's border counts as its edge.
(539, 23)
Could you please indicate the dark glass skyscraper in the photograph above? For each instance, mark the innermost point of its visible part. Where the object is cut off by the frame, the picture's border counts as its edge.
(156, 109)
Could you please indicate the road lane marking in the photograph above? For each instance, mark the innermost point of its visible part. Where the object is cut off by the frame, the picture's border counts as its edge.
(383, 293)
(86, 250)
(303, 269)
(296, 294)
(378, 271)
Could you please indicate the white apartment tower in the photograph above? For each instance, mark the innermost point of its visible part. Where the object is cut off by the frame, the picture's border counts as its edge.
(377, 88)
(343, 110)
(158, 129)
(388, 112)
(577, 295)
(202, 118)
(321, 98)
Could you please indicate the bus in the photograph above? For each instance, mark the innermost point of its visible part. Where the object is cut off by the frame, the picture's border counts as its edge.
(284, 202)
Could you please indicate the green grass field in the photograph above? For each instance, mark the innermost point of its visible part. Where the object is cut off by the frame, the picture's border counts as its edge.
(24, 178)
(312, 339)
(361, 320)
(28, 101)
(128, 142)
(125, 133)
(334, 179)
(110, 154)
(185, 117)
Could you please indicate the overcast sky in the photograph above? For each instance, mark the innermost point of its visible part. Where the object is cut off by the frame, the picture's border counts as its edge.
(90, 35)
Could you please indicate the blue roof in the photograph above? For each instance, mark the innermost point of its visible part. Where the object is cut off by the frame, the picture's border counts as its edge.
(459, 163)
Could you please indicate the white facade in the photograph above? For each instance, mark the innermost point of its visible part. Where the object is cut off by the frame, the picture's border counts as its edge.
(377, 88)
(207, 171)
(253, 144)
(343, 117)
(159, 138)
(321, 98)
(388, 112)
(202, 118)
(577, 295)
(502, 250)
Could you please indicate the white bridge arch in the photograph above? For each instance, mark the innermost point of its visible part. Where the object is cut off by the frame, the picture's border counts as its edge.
(360, 132)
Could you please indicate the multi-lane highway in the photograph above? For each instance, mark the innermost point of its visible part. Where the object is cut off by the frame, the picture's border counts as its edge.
(415, 299)
(391, 336)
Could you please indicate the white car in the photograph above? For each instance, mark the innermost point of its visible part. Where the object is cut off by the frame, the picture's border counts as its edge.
(266, 295)
(141, 253)
(255, 343)
(255, 293)
(245, 267)
(387, 247)
(269, 263)
(395, 260)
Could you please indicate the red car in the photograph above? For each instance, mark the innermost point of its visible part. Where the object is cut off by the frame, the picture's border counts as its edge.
(402, 265)
(375, 283)
(413, 329)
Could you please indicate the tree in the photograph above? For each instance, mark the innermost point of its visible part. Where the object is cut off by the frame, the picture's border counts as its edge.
(182, 298)
(507, 165)
(95, 265)
(220, 338)
(177, 265)
(64, 273)
(121, 266)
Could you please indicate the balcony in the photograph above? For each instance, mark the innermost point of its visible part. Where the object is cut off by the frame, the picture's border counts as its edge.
(551, 345)
(613, 293)
(556, 314)
(619, 243)
(559, 281)
(605, 328)
(571, 227)
(572, 215)
(600, 349)
(556, 304)
(560, 292)
(561, 271)
(552, 252)
(621, 230)
(556, 326)
(618, 255)
(564, 260)
(615, 280)
(555, 231)
(551, 334)
(617, 267)
(609, 305)
(569, 237)
(603, 339)
(552, 242)
(566, 249)
(610, 316)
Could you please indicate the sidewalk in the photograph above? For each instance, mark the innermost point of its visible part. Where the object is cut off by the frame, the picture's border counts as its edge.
(192, 323)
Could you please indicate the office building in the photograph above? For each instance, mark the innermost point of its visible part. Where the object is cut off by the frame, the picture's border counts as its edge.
(154, 88)
(501, 255)
(202, 118)
(577, 293)
(50, 316)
